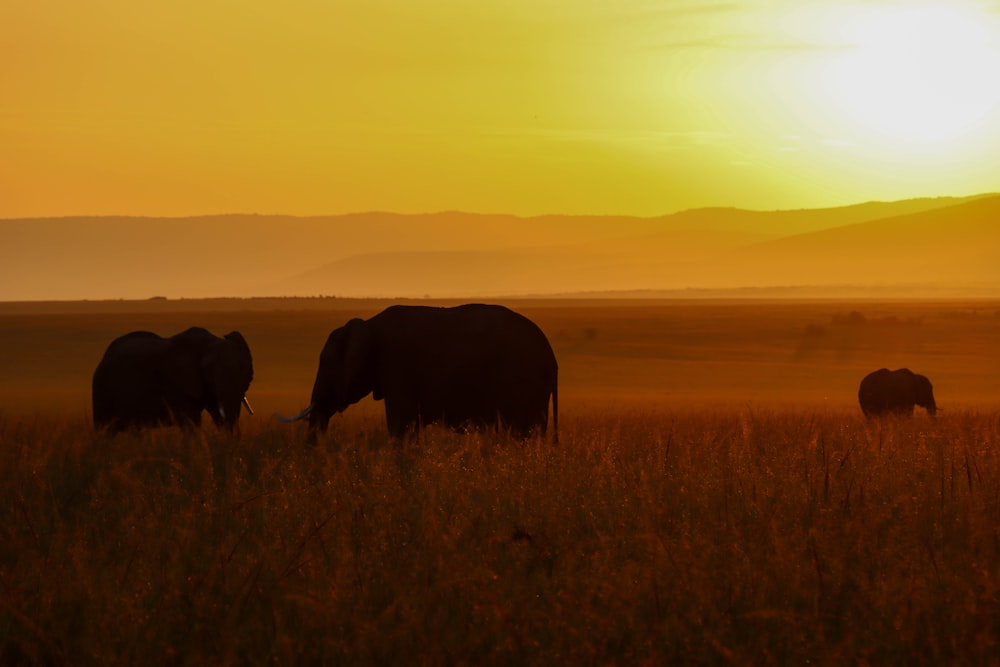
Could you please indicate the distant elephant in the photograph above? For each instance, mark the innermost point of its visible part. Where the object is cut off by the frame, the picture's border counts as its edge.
(146, 380)
(895, 392)
(472, 365)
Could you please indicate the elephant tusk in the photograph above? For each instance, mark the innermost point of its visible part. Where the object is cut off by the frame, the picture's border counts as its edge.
(246, 404)
(222, 412)
(301, 415)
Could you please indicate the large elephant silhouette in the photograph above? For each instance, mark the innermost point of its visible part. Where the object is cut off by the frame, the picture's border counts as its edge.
(895, 392)
(146, 380)
(473, 365)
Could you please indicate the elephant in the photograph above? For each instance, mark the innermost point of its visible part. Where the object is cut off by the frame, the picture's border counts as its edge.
(146, 380)
(895, 392)
(474, 365)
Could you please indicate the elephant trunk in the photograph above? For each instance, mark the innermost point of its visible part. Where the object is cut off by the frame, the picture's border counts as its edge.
(226, 419)
(302, 415)
(318, 418)
(929, 404)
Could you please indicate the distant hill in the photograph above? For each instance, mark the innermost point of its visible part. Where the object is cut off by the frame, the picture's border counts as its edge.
(945, 242)
(955, 245)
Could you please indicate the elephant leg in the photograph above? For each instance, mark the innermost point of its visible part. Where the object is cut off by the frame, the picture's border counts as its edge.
(190, 422)
(525, 416)
(401, 417)
(402, 427)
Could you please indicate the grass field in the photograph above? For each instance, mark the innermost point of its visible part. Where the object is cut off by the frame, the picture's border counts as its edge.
(715, 497)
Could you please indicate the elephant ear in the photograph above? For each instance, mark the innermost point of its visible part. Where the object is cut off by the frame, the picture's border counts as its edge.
(356, 380)
(238, 342)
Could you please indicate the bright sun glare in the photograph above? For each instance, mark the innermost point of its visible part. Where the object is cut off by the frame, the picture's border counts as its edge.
(919, 76)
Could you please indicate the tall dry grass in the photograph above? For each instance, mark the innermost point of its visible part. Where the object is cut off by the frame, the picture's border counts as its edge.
(742, 536)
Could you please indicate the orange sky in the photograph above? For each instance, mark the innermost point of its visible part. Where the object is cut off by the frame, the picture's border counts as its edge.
(522, 106)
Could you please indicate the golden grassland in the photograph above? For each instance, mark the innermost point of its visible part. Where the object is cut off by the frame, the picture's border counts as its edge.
(715, 497)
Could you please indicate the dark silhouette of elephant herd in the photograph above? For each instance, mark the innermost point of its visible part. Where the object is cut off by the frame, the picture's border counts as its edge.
(473, 365)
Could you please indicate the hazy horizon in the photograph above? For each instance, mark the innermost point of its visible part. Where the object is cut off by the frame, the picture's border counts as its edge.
(932, 247)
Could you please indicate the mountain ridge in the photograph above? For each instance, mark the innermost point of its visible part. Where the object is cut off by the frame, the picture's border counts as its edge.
(454, 253)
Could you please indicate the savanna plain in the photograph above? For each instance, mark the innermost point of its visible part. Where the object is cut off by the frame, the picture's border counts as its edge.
(715, 497)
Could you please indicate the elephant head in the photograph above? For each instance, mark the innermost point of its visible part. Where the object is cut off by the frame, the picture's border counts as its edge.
(923, 393)
(346, 373)
(212, 373)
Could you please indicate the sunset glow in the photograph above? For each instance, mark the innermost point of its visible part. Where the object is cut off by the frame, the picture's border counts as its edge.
(523, 107)
(920, 76)
(608, 331)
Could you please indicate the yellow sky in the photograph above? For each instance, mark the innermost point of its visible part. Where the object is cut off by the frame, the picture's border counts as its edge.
(522, 106)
